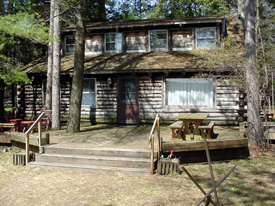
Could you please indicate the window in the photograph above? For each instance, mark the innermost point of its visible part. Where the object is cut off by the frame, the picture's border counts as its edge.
(182, 40)
(128, 90)
(189, 92)
(113, 42)
(206, 37)
(93, 44)
(158, 40)
(136, 42)
(89, 97)
(69, 44)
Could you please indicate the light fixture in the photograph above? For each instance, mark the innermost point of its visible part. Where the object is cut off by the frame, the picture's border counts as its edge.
(109, 81)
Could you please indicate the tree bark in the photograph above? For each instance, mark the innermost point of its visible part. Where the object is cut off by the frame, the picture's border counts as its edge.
(48, 103)
(77, 82)
(56, 69)
(255, 133)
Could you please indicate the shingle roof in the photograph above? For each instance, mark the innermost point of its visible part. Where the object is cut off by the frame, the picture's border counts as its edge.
(122, 62)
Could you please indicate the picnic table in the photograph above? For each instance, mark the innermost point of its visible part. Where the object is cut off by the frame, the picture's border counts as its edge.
(16, 123)
(26, 125)
(192, 121)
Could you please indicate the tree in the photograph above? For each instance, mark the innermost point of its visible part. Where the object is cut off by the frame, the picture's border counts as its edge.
(77, 83)
(186, 8)
(56, 68)
(255, 133)
(50, 59)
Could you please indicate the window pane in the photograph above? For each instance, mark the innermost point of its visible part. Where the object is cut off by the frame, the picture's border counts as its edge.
(128, 88)
(69, 39)
(88, 96)
(69, 49)
(114, 42)
(189, 92)
(158, 40)
(206, 42)
(206, 37)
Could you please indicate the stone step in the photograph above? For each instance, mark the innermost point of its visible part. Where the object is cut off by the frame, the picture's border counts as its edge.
(110, 152)
(80, 167)
(94, 160)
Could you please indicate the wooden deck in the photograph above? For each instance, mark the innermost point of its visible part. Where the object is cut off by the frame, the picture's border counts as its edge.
(197, 145)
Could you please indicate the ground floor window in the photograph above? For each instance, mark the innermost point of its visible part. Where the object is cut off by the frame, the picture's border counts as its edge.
(189, 92)
(89, 92)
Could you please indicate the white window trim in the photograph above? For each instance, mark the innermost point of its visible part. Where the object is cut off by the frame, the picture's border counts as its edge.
(105, 42)
(85, 106)
(188, 106)
(68, 44)
(149, 41)
(196, 38)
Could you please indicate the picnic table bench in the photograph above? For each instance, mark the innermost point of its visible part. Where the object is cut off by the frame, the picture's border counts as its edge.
(176, 129)
(207, 130)
(6, 125)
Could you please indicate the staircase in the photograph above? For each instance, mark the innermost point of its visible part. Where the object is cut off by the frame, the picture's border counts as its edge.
(103, 159)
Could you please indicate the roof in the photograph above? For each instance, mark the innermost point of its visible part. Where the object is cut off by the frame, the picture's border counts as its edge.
(122, 63)
(152, 22)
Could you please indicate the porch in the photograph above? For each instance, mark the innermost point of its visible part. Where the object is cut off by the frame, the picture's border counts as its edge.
(229, 143)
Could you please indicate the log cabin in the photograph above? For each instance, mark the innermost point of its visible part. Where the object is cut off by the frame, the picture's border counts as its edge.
(136, 69)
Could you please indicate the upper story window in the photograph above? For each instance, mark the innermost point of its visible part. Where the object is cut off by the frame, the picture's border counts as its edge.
(113, 42)
(136, 42)
(182, 40)
(158, 40)
(89, 91)
(94, 44)
(206, 37)
(69, 44)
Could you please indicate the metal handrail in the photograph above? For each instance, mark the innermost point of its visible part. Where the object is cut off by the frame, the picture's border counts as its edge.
(151, 140)
(27, 135)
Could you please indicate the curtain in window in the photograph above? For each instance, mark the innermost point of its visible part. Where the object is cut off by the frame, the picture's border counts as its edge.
(189, 92)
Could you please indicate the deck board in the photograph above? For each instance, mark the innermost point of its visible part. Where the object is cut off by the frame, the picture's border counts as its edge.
(184, 146)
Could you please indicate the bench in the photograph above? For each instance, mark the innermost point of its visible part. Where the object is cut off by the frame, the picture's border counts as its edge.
(207, 130)
(6, 125)
(176, 129)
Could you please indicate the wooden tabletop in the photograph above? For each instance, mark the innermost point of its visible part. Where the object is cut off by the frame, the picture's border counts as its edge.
(193, 116)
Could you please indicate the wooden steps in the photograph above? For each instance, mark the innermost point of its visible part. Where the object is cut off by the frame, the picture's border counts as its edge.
(104, 159)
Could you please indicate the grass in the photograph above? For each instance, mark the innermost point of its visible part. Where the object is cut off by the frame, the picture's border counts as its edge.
(251, 183)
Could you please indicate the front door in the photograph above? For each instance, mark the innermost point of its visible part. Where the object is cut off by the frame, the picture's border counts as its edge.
(127, 108)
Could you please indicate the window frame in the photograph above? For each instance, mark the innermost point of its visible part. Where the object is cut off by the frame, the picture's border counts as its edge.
(215, 37)
(95, 92)
(66, 52)
(105, 43)
(214, 95)
(149, 40)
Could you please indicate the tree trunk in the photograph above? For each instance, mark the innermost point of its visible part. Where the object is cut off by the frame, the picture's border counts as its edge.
(77, 83)
(255, 133)
(56, 69)
(101, 10)
(48, 103)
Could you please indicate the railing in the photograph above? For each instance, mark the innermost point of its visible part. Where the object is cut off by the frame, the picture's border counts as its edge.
(27, 134)
(151, 141)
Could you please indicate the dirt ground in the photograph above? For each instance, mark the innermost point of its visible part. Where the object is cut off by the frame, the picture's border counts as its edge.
(251, 183)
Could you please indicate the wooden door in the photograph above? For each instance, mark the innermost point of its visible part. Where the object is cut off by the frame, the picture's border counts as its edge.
(127, 108)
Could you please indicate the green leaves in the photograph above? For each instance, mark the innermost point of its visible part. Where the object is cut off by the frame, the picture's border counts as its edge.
(25, 25)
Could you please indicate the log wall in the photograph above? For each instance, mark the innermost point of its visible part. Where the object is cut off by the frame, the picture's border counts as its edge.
(151, 101)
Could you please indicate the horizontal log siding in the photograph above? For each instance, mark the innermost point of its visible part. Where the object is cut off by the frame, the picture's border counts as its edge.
(150, 98)
(151, 101)
(225, 111)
